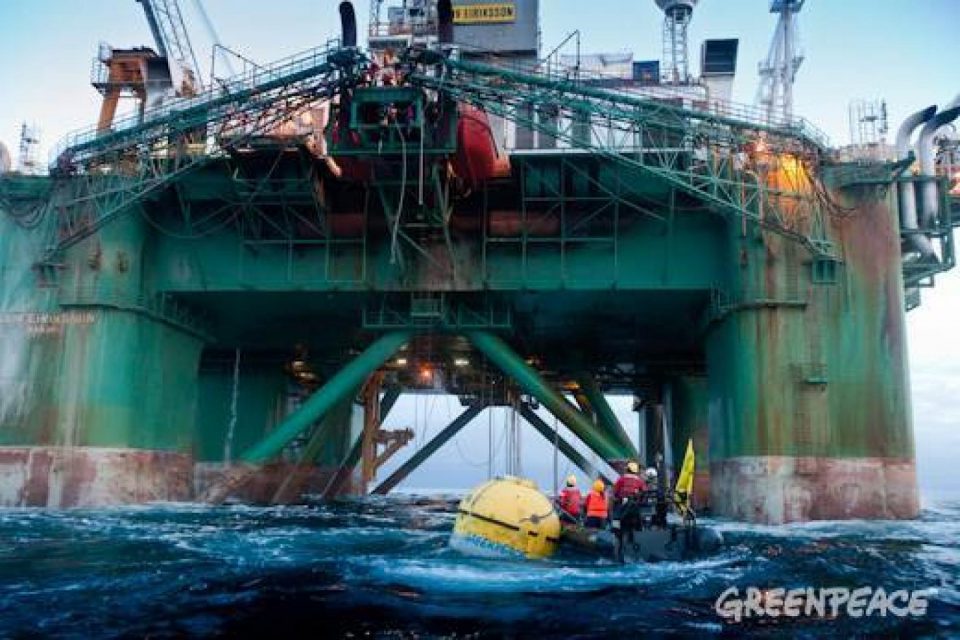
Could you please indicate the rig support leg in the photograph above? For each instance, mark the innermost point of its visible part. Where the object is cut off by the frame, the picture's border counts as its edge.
(514, 366)
(339, 386)
(390, 396)
(652, 431)
(565, 447)
(344, 470)
(371, 427)
(429, 449)
(809, 394)
(606, 418)
(690, 401)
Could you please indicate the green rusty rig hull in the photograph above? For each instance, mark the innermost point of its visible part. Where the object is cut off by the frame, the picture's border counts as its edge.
(240, 326)
(796, 391)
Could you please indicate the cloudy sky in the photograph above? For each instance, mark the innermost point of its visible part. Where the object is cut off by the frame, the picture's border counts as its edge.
(904, 52)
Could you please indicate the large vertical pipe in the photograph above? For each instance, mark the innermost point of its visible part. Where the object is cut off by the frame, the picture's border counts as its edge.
(531, 382)
(606, 418)
(429, 449)
(929, 195)
(565, 447)
(348, 25)
(905, 190)
(337, 387)
(445, 21)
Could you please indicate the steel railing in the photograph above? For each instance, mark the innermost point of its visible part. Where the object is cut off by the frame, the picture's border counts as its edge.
(247, 81)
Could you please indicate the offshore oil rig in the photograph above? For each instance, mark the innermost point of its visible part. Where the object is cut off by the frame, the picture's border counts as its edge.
(224, 293)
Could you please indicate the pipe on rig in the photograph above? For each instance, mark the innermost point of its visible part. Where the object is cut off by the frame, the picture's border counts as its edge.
(530, 381)
(905, 190)
(606, 418)
(929, 195)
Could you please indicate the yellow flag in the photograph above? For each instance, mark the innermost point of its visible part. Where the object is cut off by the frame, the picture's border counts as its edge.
(684, 487)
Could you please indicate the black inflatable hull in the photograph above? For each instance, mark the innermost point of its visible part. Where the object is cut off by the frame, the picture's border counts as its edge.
(673, 543)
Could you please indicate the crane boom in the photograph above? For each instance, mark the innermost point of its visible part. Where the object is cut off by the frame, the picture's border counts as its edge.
(170, 34)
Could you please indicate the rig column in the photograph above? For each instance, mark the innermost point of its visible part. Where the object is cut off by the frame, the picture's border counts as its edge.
(690, 401)
(108, 406)
(809, 412)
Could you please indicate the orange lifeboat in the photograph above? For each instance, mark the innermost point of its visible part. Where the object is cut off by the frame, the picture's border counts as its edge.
(479, 157)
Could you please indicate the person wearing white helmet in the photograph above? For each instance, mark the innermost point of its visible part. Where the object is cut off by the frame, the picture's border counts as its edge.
(650, 475)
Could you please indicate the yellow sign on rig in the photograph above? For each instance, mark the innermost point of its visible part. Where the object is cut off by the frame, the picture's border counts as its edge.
(488, 13)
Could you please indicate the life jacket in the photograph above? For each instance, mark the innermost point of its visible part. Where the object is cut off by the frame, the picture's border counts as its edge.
(628, 485)
(596, 505)
(570, 499)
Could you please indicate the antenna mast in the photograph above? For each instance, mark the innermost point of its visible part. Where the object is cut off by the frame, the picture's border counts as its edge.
(677, 15)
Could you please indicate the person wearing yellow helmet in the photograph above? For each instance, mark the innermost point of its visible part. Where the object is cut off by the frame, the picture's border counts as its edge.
(596, 506)
(570, 500)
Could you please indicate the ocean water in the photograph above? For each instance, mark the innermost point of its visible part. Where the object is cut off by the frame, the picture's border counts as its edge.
(382, 568)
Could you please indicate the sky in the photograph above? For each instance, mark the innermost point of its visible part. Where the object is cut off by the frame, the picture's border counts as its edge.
(904, 51)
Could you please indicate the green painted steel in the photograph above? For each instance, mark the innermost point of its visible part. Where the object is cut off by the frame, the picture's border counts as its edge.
(690, 404)
(429, 449)
(597, 261)
(801, 369)
(343, 425)
(88, 197)
(335, 389)
(561, 443)
(530, 381)
(655, 137)
(261, 392)
(653, 432)
(606, 419)
(89, 364)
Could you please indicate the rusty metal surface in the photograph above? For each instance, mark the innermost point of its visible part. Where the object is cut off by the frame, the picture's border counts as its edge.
(62, 477)
(779, 489)
(809, 406)
(263, 483)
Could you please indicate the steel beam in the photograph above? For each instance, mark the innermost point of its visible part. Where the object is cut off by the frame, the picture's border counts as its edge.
(515, 367)
(390, 396)
(292, 484)
(429, 449)
(565, 447)
(606, 418)
(371, 425)
(583, 403)
(338, 387)
(342, 474)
